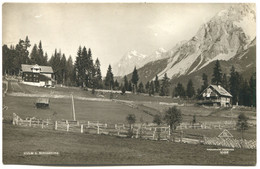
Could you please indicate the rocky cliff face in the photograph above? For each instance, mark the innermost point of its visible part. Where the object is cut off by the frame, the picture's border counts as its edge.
(227, 34)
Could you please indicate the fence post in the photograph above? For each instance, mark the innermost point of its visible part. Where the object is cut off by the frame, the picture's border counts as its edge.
(137, 132)
(154, 133)
(67, 122)
(98, 129)
(115, 126)
(68, 127)
(118, 132)
(181, 135)
(56, 125)
(81, 128)
(30, 124)
(14, 118)
(42, 124)
(47, 122)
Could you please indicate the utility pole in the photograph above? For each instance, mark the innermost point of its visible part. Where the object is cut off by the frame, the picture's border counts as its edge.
(73, 108)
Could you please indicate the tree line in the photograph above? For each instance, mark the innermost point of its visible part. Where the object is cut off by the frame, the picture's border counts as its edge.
(242, 90)
(86, 73)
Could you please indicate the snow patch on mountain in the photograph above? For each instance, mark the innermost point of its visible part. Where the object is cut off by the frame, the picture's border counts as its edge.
(135, 59)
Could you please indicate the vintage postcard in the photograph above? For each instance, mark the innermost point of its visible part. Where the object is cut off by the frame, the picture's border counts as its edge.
(129, 84)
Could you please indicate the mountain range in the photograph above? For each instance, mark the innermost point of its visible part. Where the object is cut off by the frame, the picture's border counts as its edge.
(135, 59)
(228, 37)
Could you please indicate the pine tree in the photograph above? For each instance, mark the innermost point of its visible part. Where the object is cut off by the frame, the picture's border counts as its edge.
(156, 84)
(70, 72)
(98, 74)
(41, 60)
(45, 59)
(140, 88)
(130, 86)
(116, 85)
(217, 75)
(147, 86)
(123, 89)
(225, 82)
(90, 69)
(135, 79)
(190, 89)
(27, 44)
(252, 89)
(79, 68)
(234, 83)
(151, 88)
(55, 63)
(19, 55)
(164, 91)
(8, 58)
(126, 83)
(109, 80)
(244, 94)
(84, 74)
(205, 82)
(34, 55)
(179, 90)
(63, 68)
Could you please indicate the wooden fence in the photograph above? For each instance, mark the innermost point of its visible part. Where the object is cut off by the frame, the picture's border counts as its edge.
(230, 142)
(138, 131)
(208, 125)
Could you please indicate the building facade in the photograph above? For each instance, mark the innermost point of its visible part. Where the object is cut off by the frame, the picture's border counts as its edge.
(37, 75)
(215, 95)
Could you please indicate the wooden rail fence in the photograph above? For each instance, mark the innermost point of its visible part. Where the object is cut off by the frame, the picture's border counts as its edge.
(138, 131)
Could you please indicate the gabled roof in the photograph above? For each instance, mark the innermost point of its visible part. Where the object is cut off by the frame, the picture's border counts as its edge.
(219, 90)
(44, 69)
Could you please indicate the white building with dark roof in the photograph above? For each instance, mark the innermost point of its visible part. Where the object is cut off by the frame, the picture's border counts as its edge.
(37, 75)
(216, 95)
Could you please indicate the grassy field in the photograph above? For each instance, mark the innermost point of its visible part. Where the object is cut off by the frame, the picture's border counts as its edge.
(109, 112)
(85, 149)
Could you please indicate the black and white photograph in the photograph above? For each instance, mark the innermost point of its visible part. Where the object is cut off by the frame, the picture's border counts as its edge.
(129, 84)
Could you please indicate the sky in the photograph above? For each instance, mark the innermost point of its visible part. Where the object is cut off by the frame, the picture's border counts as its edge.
(110, 30)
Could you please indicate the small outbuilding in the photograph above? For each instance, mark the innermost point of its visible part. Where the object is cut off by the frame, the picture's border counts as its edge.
(215, 95)
(42, 103)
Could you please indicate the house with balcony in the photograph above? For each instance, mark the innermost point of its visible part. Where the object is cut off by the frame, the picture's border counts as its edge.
(37, 75)
(215, 95)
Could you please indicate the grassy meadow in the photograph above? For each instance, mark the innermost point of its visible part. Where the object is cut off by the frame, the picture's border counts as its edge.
(91, 149)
